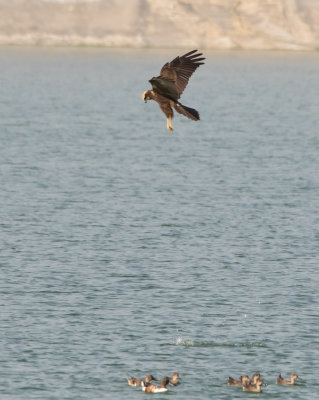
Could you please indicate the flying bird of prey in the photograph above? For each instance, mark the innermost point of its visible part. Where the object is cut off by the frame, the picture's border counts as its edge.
(168, 87)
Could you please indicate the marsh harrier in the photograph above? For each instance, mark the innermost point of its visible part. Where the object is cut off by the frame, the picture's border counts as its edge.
(168, 87)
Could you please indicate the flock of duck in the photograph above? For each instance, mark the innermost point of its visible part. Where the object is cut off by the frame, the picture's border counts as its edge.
(149, 387)
(254, 384)
(249, 385)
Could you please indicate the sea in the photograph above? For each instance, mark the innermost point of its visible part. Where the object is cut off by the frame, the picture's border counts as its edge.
(128, 250)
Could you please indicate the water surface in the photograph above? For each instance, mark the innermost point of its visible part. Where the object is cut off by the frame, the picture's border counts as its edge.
(128, 250)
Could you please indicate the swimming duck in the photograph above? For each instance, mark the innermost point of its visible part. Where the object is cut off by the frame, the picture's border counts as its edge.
(150, 388)
(138, 382)
(250, 387)
(174, 380)
(238, 382)
(255, 377)
(281, 381)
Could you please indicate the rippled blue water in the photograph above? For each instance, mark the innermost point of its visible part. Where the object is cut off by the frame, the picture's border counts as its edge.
(128, 250)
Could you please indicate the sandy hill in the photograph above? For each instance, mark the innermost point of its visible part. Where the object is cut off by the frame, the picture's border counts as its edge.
(217, 24)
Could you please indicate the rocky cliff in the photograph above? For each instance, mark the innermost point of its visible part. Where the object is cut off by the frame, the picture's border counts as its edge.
(215, 24)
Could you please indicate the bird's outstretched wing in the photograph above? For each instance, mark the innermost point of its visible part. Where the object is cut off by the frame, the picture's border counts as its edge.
(175, 75)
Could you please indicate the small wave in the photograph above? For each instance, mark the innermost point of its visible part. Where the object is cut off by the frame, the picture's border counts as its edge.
(180, 341)
(191, 343)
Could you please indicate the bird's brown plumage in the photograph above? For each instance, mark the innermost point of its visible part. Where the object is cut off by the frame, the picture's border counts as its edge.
(168, 87)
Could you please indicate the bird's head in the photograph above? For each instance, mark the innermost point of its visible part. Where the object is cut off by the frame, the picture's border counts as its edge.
(146, 96)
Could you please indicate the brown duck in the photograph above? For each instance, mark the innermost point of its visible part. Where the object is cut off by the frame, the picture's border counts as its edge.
(281, 381)
(138, 382)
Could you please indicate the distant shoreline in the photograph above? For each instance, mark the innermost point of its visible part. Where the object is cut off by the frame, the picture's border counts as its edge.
(80, 45)
(78, 41)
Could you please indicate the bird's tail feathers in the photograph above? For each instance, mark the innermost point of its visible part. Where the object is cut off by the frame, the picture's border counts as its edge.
(190, 113)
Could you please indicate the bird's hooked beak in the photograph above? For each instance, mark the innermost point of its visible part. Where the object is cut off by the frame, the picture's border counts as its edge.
(144, 97)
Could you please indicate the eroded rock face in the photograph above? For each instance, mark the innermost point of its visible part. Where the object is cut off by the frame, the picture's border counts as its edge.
(215, 24)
